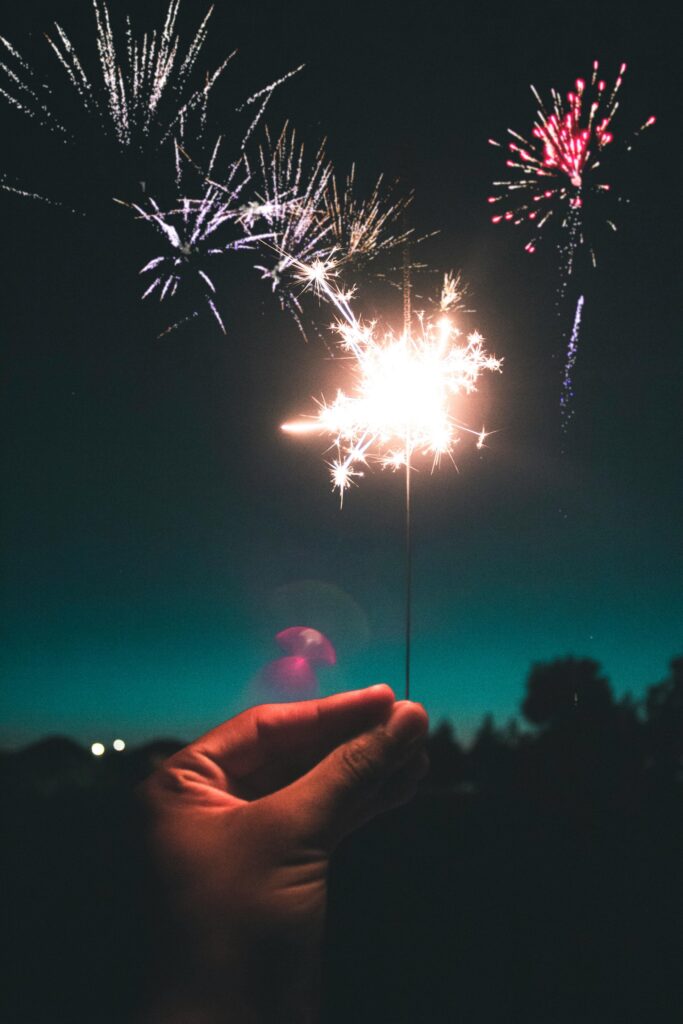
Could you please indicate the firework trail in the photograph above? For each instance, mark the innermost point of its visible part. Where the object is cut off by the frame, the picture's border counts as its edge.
(143, 91)
(404, 386)
(556, 176)
(283, 210)
(567, 395)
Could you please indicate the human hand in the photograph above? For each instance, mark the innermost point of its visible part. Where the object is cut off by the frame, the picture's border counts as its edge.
(242, 824)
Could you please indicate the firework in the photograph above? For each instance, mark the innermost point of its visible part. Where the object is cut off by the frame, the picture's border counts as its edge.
(313, 221)
(556, 175)
(144, 88)
(289, 202)
(404, 387)
(138, 93)
(361, 229)
(195, 232)
(556, 171)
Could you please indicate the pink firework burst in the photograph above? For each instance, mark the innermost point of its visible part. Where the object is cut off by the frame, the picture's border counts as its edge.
(555, 170)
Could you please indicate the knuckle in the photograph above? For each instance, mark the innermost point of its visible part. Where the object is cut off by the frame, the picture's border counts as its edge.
(360, 764)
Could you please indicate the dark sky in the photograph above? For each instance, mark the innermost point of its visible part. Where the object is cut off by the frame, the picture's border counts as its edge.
(158, 529)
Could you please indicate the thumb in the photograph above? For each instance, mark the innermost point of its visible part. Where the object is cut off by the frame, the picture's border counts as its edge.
(338, 794)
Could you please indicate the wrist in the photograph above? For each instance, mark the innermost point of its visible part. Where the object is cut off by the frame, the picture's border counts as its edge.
(259, 983)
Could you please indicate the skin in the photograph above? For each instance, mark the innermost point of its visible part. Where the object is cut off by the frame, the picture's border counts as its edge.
(242, 824)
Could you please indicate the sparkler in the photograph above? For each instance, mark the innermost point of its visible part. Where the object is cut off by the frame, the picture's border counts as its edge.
(556, 177)
(404, 386)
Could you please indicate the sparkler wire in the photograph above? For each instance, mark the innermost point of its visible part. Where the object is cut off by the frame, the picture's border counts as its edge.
(409, 569)
(407, 316)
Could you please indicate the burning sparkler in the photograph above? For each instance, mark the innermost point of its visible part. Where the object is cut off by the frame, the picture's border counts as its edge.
(400, 404)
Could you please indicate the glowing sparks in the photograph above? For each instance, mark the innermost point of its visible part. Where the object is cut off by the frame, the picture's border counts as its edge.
(314, 223)
(556, 178)
(282, 209)
(362, 228)
(141, 95)
(566, 398)
(290, 204)
(144, 88)
(135, 110)
(195, 233)
(554, 171)
(401, 401)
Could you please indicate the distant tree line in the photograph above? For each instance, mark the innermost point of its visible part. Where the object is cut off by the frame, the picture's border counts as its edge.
(580, 742)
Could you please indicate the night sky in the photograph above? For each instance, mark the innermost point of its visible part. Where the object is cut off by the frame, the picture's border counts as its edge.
(159, 529)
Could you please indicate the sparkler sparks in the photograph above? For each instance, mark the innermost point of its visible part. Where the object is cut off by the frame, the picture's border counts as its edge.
(554, 170)
(401, 401)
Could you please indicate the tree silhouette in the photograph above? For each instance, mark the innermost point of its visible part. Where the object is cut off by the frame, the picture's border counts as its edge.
(565, 690)
(446, 756)
(664, 728)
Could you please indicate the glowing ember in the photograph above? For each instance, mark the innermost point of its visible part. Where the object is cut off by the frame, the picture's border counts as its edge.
(404, 385)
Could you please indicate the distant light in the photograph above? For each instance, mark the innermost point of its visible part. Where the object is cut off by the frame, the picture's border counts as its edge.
(119, 745)
(97, 749)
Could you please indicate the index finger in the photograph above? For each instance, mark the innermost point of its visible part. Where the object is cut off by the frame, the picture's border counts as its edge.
(303, 730)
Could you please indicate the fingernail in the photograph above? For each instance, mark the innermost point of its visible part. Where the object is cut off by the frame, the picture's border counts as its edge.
(404, 725)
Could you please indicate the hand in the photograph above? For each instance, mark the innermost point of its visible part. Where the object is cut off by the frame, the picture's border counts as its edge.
(242, 825)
